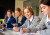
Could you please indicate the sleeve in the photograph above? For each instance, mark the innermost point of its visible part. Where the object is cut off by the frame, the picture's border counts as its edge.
(13, 21)
(38, 26)
(10, 26)
(24, 25)
(23, 20)
(41, 25)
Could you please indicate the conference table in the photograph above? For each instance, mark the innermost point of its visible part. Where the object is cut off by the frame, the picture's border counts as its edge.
(10, 32)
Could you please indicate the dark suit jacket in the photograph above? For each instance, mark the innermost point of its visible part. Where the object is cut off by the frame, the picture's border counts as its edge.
(10, 22)
(22, 21)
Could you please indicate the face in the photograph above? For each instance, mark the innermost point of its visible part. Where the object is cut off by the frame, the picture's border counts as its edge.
(17, 13)
(45, 9)
(27, 13)
(9, 14)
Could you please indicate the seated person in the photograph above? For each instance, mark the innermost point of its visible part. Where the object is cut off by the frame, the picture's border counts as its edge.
(20, 18)
(10, 20)
(45, 22)
(31, 21)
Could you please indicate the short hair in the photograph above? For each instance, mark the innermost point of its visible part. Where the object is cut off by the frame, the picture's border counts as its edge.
(45, 2)
(30, 9)
(18, 9)
(9, 11)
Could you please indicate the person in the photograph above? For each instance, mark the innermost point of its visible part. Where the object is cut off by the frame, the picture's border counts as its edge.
(41, 15)
(9, 20)
(20, 18)
(31, 21)
(45, 22)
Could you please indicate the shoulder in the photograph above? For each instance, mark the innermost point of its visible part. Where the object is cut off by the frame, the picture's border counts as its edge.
(44, 18)
(36, 17)
(26, 20)
(6, 17)
(17, 17)
(24, 17)
(12, 18)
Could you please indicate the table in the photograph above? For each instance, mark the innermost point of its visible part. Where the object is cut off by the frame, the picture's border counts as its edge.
(10, 32)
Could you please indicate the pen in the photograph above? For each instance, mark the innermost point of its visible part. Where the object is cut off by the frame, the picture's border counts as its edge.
(22, 28)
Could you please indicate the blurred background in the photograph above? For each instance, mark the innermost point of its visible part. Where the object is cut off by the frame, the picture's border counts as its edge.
(13, 4)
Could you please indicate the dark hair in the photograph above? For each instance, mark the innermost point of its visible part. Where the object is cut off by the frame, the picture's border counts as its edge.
(9, 11)
(30, 9)
(18, 9)
(45, 2)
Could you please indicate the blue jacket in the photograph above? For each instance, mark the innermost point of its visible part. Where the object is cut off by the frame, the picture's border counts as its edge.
(22, 21)
(10, 22)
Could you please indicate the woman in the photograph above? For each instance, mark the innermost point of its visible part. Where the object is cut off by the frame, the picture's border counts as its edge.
(45, 22)
(10, 20)
(30, 22)
(20, 18)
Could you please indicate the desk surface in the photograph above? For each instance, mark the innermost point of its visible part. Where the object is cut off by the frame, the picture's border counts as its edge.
(1, 33)
(9, 32)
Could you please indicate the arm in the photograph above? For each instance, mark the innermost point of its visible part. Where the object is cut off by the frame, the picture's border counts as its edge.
(18, 28)
(35, 22)
(12, 21)
(41, 25)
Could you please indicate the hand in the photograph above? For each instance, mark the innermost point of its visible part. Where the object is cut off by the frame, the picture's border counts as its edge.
(14, 25)
(3, 22)
(38, 31)
(24, 30)
(15, 28)
(21, 31)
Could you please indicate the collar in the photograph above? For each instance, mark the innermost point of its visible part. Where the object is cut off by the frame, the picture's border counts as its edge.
(47, 18)
(31, 18)
(10, 17)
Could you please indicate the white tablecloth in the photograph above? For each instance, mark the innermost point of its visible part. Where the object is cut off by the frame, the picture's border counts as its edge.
(9, 32)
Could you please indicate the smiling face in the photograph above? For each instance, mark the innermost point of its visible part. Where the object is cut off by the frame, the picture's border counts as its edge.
(27, 13)
(45, 9)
